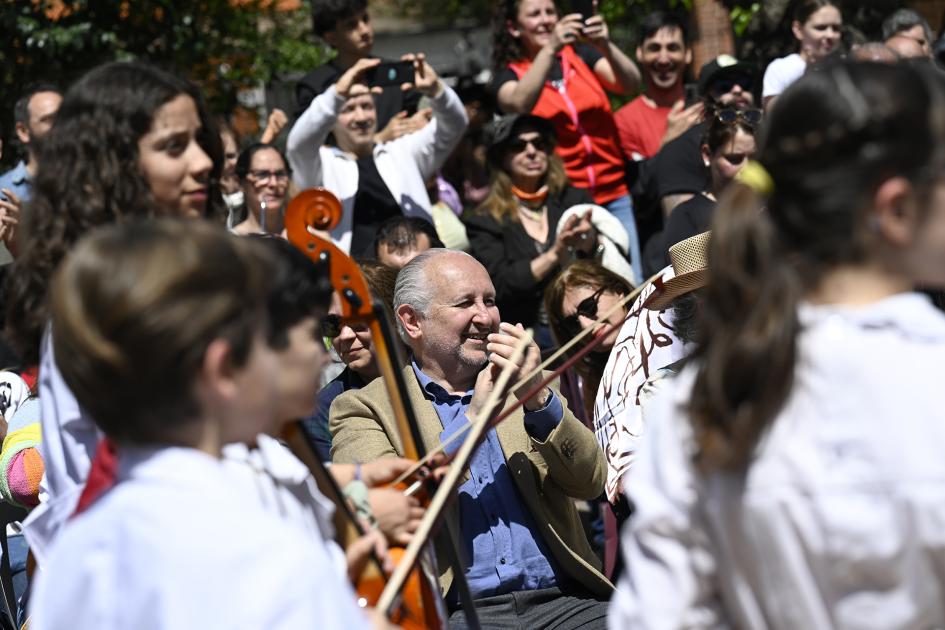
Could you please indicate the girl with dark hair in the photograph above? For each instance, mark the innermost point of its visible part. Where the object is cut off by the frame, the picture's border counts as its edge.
(264, 176)
(817, 25)
(792, 475)
(728, 143)
(129, 142)
(541, 69)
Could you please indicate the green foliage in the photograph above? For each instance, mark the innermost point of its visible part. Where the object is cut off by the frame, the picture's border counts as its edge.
(742, 16)
(223, 45)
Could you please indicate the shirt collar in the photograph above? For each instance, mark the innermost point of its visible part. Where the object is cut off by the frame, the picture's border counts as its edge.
(434, 391)
(20, 174)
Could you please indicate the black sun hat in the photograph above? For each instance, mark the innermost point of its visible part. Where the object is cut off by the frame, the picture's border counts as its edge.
(500, 131)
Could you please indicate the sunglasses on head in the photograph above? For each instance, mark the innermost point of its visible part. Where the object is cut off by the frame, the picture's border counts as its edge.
(586, 307)
(520, 144)
(730, 116)
(724, 86)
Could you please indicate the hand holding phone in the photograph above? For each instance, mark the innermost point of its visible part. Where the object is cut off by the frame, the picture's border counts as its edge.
(389, 73)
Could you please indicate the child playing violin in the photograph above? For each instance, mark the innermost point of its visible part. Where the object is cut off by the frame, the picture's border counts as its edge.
(162, 327)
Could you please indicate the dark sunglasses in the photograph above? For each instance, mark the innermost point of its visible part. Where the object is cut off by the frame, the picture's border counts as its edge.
(332, 325)
(724, 86)
(520, 144)
(730, 116)
(586, 307)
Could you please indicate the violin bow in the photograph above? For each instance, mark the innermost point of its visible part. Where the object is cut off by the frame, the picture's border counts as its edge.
(459, 434)
(449, 483)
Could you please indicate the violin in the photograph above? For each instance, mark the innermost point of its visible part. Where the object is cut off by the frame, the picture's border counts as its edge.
(419, 603)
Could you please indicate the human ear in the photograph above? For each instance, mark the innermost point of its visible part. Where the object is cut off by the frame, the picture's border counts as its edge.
(895, 215)
(513, 30)
(23, 133)
(218, 372)
(798, 29)
(688, 56)
(639, 55)
(706, 155)
(330, 38)
(410, 320)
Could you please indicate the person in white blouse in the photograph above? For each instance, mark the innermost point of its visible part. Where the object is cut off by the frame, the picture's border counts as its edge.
(817, 26)
(373, 180)
(792, 475)
(168, 354)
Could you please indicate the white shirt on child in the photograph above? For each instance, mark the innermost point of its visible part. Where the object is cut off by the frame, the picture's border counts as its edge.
(840, 520)
(180, 543)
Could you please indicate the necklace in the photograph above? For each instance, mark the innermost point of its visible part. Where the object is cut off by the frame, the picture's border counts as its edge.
(529, 213)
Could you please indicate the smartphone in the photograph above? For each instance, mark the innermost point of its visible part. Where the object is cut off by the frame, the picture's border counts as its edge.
(389, 73)
(584, 7)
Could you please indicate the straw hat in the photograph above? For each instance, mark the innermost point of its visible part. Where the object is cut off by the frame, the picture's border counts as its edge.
(690, 263)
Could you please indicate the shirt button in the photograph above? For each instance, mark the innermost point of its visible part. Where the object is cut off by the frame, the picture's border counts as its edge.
(479, 479)
(501, 560)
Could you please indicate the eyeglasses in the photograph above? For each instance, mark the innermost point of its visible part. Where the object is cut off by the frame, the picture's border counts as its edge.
(730, 116)
(520, 144)
(586, 307)
(332, 325)
(262, 176)
(724, 86)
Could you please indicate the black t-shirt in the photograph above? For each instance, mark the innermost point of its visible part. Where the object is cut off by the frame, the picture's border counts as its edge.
(687, 219)
(373, 204)
(678, 167)
(588, 55)
(388, 103)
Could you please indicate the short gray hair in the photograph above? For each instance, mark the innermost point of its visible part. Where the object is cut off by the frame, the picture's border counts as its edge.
(414, 288)
(904, 19)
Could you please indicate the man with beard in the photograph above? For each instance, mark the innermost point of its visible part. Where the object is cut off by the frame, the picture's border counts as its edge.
(660, 114)
(529, 563)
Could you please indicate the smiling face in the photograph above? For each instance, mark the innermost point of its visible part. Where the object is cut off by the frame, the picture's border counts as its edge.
(535, 21)
(526, 159)
(357, 122)
(820, 34)
(354, 345)
(451, 340)
(729, 159)
(267, 180)
(581, 307)
(173, 163)
(664, 58)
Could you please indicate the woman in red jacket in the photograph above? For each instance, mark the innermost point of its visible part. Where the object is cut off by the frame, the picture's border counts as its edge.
(542, 69)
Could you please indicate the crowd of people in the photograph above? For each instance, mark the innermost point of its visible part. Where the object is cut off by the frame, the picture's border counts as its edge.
(692, 336)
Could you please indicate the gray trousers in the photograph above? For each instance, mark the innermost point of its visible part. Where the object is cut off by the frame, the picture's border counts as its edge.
(542, 609)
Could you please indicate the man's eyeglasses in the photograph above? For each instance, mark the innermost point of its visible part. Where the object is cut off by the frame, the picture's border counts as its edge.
(730, 116)
(724, 86)
(262, 176)
(586, 307)
(520, 144)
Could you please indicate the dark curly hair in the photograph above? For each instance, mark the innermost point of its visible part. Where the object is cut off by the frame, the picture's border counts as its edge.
(505, 48)
(88, 175)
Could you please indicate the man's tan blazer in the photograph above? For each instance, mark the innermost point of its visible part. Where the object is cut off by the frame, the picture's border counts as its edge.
(548, 474)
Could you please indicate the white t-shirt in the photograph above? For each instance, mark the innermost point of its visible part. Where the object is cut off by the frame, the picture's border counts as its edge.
(177, 544)
(781, 73)
(839, 522)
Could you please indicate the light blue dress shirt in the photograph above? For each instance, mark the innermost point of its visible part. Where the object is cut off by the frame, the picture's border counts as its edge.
(503, 548)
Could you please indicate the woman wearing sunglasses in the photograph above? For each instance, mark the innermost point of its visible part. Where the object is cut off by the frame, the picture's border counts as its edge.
(264, 176)
(353, 344)
(514, 233)
(727, 144)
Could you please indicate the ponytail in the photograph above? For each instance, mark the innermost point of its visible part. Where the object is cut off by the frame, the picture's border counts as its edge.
(750, 325)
